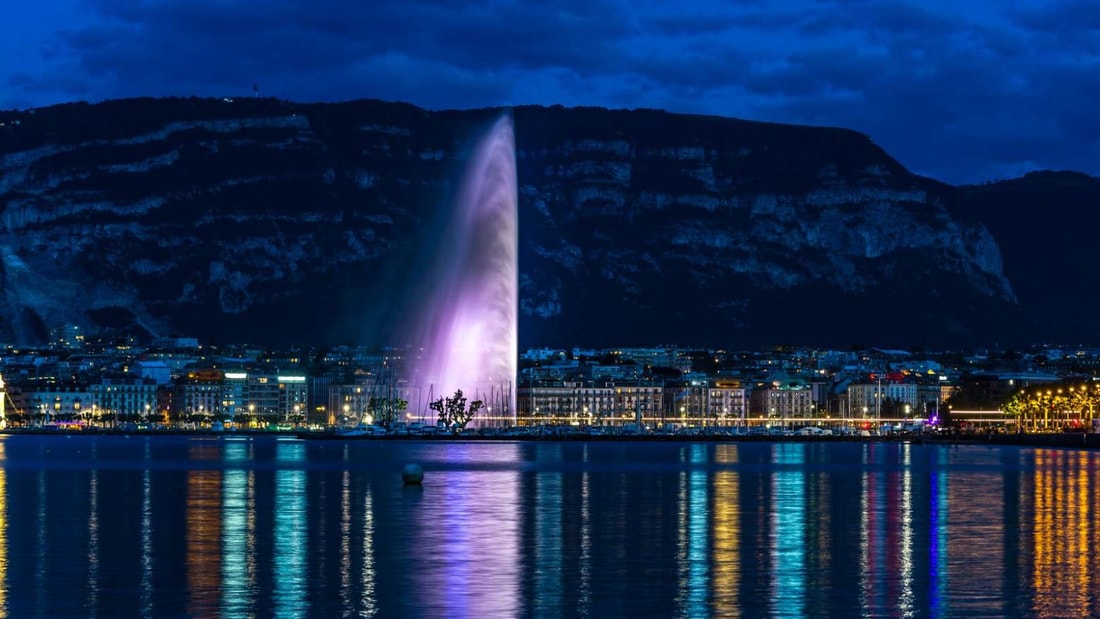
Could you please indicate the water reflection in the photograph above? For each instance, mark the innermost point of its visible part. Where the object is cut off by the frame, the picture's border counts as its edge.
(203, 532)
(42, 548)
(3, 534)
(92, 586)
(726, 533)
(1063, 533)
(238, 530)
(146, 538)
(788, 533)
(102, 527)
(367, 605)
(466, 533)
(584, 600)
(693, 533)
(906, 598)
(290, 530)
(548, 534)
(937, 526)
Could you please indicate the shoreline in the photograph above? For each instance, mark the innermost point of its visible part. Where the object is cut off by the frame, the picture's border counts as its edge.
(1075, 440)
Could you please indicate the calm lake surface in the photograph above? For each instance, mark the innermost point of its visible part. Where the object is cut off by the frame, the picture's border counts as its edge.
(112, 526)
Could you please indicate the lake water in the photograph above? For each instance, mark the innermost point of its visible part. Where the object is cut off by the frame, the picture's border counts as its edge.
(112, 526)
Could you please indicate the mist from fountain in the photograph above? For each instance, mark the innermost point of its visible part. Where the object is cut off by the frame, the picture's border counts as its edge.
(466, 328)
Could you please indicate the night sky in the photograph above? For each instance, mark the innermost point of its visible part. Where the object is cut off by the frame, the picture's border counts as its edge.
(959, 90)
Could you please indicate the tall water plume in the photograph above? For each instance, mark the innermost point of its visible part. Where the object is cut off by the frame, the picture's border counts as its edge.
(466, 327)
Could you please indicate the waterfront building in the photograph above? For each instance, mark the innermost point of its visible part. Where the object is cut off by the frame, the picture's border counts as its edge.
(124, 397)
(349, 403)
(54, 404)
(782, 397)
(317, 407)
(603, 402)
(197, 395)
(686, 400)
(640, 403)
(234, 395)
(576, 402)
(262, 396)
(882, 399)
(726, 402)
(293, 398)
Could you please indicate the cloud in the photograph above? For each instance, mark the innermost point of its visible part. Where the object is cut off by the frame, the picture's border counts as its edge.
(958, 91)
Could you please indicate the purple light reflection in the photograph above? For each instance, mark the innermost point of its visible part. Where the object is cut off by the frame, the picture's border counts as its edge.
(465, 556)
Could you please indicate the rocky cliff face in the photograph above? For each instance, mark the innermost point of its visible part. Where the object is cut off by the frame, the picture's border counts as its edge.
(268, 221)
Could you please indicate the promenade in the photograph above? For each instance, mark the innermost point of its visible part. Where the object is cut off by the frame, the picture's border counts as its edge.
(1070, 440)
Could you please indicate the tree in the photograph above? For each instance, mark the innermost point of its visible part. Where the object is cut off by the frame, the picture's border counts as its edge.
(1016, 406)
(387, 410)
(452, 411)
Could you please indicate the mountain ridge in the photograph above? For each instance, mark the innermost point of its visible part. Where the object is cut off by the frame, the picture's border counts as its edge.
(268, 219)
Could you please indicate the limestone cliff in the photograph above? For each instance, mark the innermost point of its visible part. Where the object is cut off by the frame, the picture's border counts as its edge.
(270, 221)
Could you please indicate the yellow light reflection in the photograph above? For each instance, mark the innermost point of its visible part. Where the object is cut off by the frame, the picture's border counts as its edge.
(585, 597)
(726, 534)
(203, 535)
(1063, 525)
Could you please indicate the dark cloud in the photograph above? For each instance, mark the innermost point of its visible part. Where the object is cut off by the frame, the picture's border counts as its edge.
(961, 91)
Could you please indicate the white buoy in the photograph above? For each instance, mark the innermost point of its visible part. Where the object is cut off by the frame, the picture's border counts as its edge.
(412, 474)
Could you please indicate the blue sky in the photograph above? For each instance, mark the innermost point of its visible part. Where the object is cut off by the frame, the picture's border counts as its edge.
(960, 90)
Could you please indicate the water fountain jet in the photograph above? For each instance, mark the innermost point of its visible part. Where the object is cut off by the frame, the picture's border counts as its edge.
(466, 329)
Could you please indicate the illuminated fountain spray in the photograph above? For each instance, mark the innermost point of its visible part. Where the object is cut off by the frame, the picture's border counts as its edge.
(467, 326)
